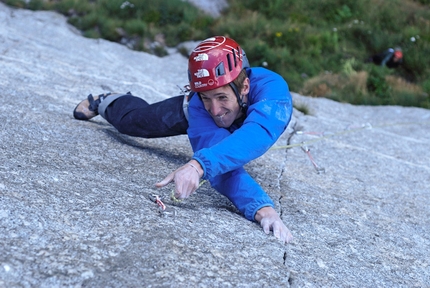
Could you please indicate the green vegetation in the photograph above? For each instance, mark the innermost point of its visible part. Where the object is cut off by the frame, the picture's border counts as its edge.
(319, 46)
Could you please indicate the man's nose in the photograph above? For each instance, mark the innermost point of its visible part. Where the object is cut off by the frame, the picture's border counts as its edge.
(215, 108)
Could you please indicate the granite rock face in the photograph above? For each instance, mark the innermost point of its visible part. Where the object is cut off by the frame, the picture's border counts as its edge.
(211, 7)
(351, 182)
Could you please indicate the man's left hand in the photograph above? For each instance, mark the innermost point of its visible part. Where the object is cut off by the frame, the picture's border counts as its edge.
(270, 220)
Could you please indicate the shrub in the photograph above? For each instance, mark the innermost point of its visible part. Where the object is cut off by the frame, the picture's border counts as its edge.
(377, 85)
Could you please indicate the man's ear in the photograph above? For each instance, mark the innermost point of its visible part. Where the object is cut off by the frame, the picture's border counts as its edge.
(245, 89)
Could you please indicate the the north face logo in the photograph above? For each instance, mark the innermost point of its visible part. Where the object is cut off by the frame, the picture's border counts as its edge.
(201, 73)
(201, 57)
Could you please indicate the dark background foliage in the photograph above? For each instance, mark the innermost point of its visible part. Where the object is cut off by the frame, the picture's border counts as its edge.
(318, 46)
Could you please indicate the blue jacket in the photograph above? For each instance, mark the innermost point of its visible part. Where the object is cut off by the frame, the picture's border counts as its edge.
(223, 152)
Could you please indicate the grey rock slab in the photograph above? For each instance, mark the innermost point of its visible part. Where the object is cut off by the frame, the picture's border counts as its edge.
(211, 7)
(365, 221)
(74, 203)
(74, 196)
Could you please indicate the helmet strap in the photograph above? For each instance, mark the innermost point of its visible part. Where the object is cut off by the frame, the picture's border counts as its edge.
(243, 106)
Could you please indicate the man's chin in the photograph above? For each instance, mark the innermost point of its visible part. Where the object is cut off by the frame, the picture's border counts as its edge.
(222, 124)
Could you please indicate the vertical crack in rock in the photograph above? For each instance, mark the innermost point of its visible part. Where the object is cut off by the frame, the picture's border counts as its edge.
(283, 168)
(285, 257)
(289, 276)
(290, 279)
(281, 210)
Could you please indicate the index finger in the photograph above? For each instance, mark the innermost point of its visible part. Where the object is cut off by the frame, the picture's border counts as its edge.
(165, 181)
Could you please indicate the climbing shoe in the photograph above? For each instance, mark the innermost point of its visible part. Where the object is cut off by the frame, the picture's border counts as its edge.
(88, 108)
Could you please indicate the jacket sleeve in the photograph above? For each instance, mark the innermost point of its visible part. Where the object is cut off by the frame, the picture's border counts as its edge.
(243, 191)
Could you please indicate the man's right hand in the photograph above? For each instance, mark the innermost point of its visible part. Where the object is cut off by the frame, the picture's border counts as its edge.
(186, 179)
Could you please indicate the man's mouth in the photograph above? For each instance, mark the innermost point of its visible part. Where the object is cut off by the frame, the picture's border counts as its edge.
(220, 118)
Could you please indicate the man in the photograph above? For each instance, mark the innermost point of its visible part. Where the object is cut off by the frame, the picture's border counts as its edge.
(391, 58)
(232, 115)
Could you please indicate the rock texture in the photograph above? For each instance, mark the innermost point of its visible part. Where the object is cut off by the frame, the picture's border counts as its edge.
(211, 7)
(74, 206)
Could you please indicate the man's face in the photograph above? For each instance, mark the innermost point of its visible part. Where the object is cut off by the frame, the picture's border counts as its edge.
(222, 105)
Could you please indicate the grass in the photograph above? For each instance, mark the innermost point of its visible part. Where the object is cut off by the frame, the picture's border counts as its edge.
(318, 46)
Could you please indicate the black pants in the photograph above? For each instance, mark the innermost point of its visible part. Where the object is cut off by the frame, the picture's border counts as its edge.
(133, 116)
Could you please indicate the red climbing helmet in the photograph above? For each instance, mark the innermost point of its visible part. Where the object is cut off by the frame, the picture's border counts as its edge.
(215, 62)
(398, 54)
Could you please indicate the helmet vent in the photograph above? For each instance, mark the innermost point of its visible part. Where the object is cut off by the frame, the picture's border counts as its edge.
(234, 57)
(229, 63)
(220, 70)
